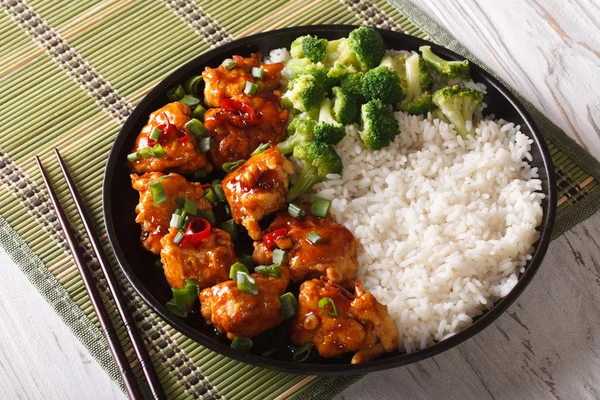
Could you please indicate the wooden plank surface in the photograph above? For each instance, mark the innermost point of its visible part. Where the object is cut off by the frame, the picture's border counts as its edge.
(547, 346)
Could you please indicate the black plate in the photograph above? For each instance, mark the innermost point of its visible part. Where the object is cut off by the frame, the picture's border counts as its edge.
(120, 199)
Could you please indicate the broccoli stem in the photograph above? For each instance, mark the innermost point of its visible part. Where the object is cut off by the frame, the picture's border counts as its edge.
(308, 177)
(325, 112)
(287, 146)
(412, 77)
(434, 60)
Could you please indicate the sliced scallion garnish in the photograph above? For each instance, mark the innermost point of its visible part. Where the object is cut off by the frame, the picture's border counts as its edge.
(174, 308)
(327, 305)
(320, 207)
(210, 195)
(158, 151)
(176, 220)
(296, 211)
(301, 353)
(273, 271)
(230, 227)
(219, 191)
(180, 202)
(187, 294)
(158, 193)
(190, 207)
(230, 166)
(134, 156)
(191, 85)
(246, 283)
(205, 144)
(247, 260)
(209, 216)
(155, 134)
(241, 343)
(196, 127)
(178, 238)
(250, 88)
(289, 305)
(260, 149)
(176, 93)
(235, 268)
(278, 256)
(228, 63)
(258, 72)
(190, 101)
(314, 237)
(199, 112)
(146, 152)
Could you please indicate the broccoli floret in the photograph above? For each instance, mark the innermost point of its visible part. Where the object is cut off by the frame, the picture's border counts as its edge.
(352, 84)
(328, 130)
(306, 93)
(311, 47)
(451, 69)
(382, 83)
(379, 127)
(296, 65)
(458, 104)
(418, 80)
(438, 114)
(319, 160)
(319, 71)
(301, 130)
(338, 70)
(398, 63)
(363, 49)
(346, 106)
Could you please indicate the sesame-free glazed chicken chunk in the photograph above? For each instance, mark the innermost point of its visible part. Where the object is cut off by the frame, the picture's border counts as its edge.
(242, 314)
(354, 323)
(334, 256)
(243, 123)
(180, 146)
(207, 262)
(257, 188)
(155, 219)
(222, 83)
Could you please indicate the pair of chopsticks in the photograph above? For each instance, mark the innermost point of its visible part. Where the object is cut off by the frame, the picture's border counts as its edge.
(129, 380)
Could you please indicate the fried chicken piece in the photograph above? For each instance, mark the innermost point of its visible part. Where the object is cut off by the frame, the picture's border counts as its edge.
(221, 83)
(207, 263)
(334, 256)
(257, 188)
(242, 314)
(363, 325)
(236, 134)
(154, 219)
(181, 151)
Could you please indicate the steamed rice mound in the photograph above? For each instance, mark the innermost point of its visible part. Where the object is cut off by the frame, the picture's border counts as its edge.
(444, 226)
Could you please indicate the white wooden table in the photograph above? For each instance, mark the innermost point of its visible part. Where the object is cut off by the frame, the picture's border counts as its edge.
(546, 346)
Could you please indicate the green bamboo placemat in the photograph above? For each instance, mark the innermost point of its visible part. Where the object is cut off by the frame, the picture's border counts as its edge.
(82, 69)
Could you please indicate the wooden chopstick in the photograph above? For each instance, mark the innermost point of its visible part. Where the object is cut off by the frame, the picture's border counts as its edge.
(129, 380)
(113, 286)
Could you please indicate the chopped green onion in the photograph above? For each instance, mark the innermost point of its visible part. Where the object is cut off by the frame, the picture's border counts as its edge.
(176, 309)
(164, 177)
(320, 207)
(246, 283)
(176, 220)
(278, 256)
(190, 207)
(158, 151)
(258, 72)
(241, 343)
(301, 353)
(273, 271)
(155, 134)
(158, 193)
(269, 352)
(200, 173)
(210, 195)
(190, 101)
(216, 182)
(146, 152)
(229, 227)
(209, 216)
(260, 149)
(178, 238)
(289, 305)
(235, 268)
(196, 127)
(205, 144)
(180, 202)
(331, 310)
(134, 156)
(230, 166)
(180, 211)
(228, 63)
(191, 85)
(314, 237)
(199, 112)
(187, 294)
(247, 260)
(176, 93)
(186, 221)
(296, 211)
(219, 191)
(250, 88)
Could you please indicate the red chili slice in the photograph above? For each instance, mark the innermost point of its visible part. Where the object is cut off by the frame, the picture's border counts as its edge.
(167, 127)
(245, 112)
(197, 230)
(270, 237)
(205, 186)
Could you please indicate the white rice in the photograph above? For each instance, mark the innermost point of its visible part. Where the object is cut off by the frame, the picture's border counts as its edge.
(444, 226)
